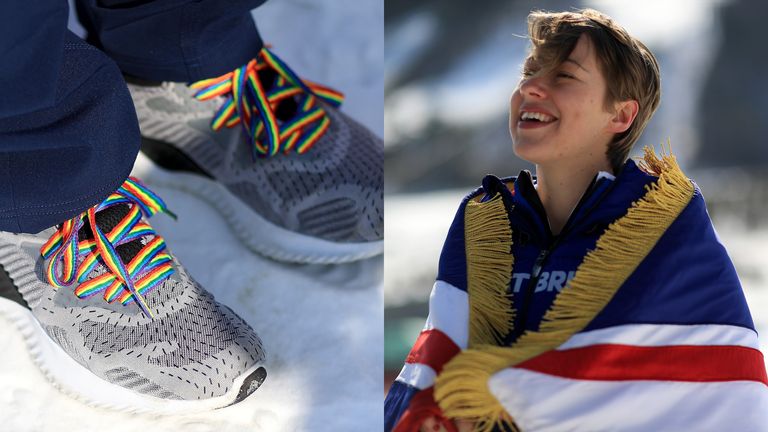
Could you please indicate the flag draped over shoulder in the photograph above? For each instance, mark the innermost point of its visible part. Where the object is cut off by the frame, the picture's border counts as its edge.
(652, 333)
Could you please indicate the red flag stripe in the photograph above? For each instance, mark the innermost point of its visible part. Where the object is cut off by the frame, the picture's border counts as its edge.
(611, 362)
(421, 407)
(432, 348)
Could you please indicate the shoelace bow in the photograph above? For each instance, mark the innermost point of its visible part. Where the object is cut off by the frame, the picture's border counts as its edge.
(73, 259)
(248, 103)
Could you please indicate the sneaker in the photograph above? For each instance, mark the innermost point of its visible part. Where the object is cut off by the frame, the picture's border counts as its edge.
(297, 180)
(113, 319)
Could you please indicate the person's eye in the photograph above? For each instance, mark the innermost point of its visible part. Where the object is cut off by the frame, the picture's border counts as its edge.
(565, 75)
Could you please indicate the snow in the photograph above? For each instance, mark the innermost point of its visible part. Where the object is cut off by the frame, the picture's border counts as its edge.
(321, 325)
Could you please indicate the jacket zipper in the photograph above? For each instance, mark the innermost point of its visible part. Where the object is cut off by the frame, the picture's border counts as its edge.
(539, 265)
(529, 290)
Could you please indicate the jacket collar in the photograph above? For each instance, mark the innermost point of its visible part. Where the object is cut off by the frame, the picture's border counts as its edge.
(527, 198)
(606, 198)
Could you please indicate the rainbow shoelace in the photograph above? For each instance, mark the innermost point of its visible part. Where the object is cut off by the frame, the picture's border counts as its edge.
(249, 104)
(73, 259)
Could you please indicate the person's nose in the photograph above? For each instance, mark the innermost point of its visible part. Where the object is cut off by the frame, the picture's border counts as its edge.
(534, 87)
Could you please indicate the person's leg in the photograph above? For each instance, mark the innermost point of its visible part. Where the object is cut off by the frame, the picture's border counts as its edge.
(68, 130)
(31, 62)
(173, 40)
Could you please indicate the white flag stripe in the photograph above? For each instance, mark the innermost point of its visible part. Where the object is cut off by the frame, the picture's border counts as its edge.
(545, 403)
(665, 334)
(418, 375)
(449, 312)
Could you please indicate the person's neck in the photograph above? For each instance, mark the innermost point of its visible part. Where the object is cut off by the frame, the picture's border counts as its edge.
(560, 187)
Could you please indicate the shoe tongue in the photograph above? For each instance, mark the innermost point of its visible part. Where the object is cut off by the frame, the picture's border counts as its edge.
(106, 220)
(267, 77)
(286, 108)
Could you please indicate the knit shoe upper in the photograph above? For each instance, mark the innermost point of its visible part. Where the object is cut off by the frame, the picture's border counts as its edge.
(159, 334)
(323, 180)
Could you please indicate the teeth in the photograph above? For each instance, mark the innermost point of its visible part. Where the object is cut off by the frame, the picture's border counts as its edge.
(536, 116)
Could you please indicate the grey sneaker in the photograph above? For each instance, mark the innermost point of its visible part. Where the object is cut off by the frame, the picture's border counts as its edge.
(160, 345)
(314, 194)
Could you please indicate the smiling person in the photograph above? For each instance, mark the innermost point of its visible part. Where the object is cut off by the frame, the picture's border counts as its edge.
(595, 295)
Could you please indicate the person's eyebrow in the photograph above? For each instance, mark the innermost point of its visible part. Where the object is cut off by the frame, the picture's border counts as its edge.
(570, 60)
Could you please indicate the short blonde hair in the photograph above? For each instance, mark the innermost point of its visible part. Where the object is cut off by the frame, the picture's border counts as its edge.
(630, 69)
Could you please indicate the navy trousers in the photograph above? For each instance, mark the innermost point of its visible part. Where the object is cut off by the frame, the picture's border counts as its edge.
(68, 130)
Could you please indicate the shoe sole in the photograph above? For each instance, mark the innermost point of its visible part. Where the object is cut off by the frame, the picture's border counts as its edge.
(253, 230)
(76, 381)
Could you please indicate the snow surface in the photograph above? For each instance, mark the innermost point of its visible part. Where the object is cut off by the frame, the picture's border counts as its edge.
(321, 325)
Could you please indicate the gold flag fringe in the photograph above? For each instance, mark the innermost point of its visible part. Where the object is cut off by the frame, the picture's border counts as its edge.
(461, 389)
(488, 247)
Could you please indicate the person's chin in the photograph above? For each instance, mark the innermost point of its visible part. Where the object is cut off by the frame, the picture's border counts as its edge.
(532, 152)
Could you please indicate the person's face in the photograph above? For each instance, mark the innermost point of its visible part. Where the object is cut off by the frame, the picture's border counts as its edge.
(561, 115)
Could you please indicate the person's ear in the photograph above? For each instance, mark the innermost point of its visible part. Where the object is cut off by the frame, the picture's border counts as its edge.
(624, 114)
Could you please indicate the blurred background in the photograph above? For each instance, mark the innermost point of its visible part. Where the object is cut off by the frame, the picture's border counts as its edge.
(450, 69)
